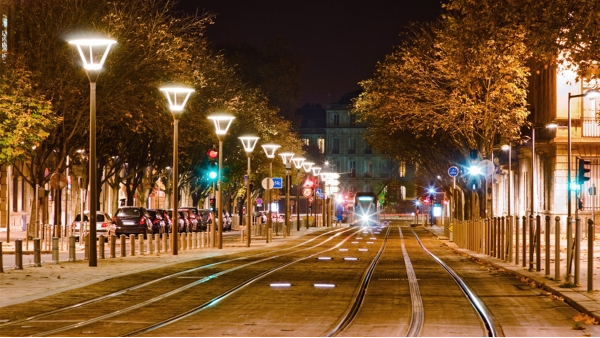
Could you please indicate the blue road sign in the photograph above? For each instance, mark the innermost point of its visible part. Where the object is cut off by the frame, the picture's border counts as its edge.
(277, 183)
(453, 171)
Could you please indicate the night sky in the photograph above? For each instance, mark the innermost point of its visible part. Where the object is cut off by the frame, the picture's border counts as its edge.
(341, 40)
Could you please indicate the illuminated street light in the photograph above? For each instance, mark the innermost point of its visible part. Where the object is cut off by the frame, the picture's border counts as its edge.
(222, 124)
(269, 150)
(249, 142)
(298, 162)
(93, 53)
(177, 98)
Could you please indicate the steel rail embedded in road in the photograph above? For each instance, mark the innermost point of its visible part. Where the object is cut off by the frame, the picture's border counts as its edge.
(359, 296)
(473, 299)
(336, 232)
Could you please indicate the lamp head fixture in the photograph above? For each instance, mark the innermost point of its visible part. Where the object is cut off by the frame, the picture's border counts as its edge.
(286, 158)
(249, 142)
(93, 52)
(177, 97)
(222, 123)
(307, 166)
(298, 161)
(316, 170)
(270, 149)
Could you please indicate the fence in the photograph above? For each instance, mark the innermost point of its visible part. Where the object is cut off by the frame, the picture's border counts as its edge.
(519, 240)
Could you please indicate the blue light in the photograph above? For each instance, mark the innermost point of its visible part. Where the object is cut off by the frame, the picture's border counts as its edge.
(212, 175)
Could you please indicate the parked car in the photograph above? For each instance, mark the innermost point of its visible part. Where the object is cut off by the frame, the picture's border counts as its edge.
(193, 218)
(182, 220)
(158, 222)
(104, 224)
(227, 222)
(204, 219)
(132, 221)
(167, 218)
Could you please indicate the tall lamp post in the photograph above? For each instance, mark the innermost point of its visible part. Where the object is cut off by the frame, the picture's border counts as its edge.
(315, 171)
(287, 162)
(249, 142)
(93, 53)
(307, 166)
(222, 124)
(270, 153)
(298, 161)
(177, 98)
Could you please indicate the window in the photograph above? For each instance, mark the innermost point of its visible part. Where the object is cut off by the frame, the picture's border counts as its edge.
(335, 146)
(352, 168)
(352, 145)
(336, 120)
(402, 193)
(321, 144)
(306, 142)
(402, 169)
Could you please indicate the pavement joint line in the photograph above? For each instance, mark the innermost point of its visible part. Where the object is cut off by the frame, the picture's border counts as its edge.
(567, 294)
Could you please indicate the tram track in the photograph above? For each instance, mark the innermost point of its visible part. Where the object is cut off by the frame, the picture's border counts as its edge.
(38, 318)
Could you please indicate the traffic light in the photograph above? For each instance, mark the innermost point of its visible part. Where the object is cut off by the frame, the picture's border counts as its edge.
(213, 167)
(583, 172)
(212, 204)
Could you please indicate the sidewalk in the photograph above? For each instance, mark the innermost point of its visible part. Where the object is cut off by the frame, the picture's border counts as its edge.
(577, 297)
(18, 286)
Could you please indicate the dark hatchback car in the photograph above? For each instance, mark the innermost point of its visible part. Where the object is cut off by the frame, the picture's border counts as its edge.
(132, 221)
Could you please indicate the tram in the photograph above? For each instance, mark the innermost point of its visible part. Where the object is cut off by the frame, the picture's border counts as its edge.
(365, 209)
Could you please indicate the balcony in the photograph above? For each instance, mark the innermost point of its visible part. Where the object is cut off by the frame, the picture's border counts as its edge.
(590, 127)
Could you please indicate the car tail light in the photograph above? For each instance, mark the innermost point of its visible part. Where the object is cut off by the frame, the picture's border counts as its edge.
(155, 221)
(142, 221)
(105, 225)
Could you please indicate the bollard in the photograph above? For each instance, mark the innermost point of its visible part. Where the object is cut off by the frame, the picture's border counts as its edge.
(37, 254)
(101, 247)
(55, 250)
(72, 248)
(179, 242)
(538, 244)
(569, 247)
(183, 242)
(192, 240)
(242, 236)
(158, 248)
(113, 246)
(150, 246)
(18, 254)
(557, 248)
(141, 240)
(123, 246)
(202, 241)
(524, 241)
(590, 266)
(502, 238)
(547, 249)
(132, 244)
(517, 240)
(1, 259)
(509, 238)
(165, 242)
(576, 255)
(86, 240)
(531, 242)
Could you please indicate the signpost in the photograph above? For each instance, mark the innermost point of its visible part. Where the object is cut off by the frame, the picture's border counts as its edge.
(453, 171)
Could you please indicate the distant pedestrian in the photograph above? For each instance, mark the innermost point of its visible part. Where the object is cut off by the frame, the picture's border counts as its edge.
(339, 214)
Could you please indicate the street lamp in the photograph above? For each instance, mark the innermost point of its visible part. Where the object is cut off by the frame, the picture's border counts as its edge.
(93, 59)
(307, 166)
(222, 123)
(177, 98)
(249, 142)
(298, 161)
(270, 153)
(315, 171)
(287, 162)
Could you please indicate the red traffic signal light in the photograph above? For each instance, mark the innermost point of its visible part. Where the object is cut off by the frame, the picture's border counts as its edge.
(212, 154)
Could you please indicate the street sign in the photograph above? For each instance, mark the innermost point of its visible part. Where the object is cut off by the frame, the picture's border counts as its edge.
(453, 171)
(307, 192)
(277, 183)
(259, 201)
(319, 192)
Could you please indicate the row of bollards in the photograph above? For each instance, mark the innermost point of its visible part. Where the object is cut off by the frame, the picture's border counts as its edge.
(155, 244)
(521, 238)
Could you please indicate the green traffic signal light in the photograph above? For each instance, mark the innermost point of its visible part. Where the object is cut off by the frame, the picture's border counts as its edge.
(212, 175)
